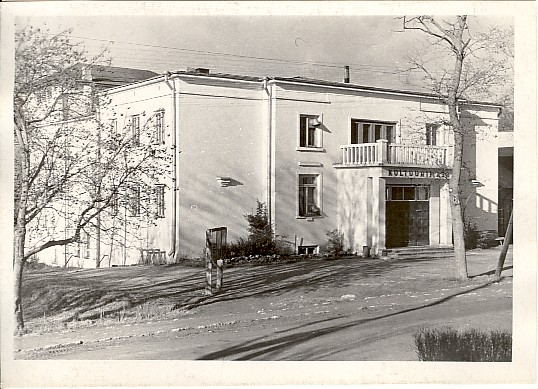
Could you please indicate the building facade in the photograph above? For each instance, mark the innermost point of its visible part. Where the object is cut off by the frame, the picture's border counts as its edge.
(372, 163)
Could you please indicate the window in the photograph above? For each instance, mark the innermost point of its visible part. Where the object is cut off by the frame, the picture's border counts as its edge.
(114, 132)
(159, 200)
(408, 193)
(395, 193)
(39, 96)
(432, 131)
(307, 250)
(423, 193)
(87, 245)
(377, 131)
(66, 107)
(309, 195)
(135, 130)
(365, 133)
(309, 131)
(370, 132)
(134, 201)
(159, 127)
(114, 204)
(390, 133)
(93, 101)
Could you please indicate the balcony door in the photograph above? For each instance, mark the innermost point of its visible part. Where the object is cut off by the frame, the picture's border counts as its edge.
(437, 135)
(370, 132)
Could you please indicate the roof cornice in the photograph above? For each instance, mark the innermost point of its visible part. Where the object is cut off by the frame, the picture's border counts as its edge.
(362, 88)
(302, 82)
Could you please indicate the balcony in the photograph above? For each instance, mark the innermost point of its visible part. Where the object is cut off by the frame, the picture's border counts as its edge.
(383, 153)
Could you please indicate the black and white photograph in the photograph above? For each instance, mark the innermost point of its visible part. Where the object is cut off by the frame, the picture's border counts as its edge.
(341, 192)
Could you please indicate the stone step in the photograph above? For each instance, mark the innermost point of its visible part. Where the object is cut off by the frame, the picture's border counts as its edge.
(420, 249)
(421, 256)
(420, 252)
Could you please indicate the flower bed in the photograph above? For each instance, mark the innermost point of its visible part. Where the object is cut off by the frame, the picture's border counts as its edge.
(254, 260)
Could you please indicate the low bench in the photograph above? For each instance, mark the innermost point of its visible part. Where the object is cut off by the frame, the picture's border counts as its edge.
(152, 256)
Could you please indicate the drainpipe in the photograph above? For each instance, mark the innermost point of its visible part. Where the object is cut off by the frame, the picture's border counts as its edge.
(269, 147)
(173, 253)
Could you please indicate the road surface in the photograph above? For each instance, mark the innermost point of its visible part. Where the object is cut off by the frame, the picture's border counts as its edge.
(310, 326)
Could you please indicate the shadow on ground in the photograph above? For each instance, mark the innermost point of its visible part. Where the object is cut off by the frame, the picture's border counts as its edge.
(263, 347)
(94, 293)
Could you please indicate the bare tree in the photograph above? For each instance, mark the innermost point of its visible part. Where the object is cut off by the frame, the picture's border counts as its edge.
(459, 65)
(71, 168)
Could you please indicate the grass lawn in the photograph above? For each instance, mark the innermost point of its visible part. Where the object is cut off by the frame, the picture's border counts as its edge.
(56, 298)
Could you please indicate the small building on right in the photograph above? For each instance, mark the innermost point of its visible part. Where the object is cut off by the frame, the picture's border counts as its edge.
(506, 179)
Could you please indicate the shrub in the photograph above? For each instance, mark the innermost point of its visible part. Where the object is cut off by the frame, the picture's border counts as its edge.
(487, 239)
(261, 238)
(240, 248)
(260, 231)
(283, 246)
(447, 344)
(150, 310)
(470, 235)
(33, 264)
(335, 242)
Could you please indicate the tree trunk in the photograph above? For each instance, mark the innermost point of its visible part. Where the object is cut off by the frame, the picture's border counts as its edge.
(112, 237)
(460, 259)
(506, 244)
(19, 238)
(455, 121)
(100, 176)
(459, 241)
(98, 243)
(22, 182)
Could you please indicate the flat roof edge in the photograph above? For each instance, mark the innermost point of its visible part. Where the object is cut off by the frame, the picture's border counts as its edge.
(313, 83)
(377, 89)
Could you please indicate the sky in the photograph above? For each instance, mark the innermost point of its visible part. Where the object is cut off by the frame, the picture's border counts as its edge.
(318, 47)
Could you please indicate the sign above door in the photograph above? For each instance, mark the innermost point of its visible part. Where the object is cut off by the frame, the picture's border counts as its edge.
(417, 173)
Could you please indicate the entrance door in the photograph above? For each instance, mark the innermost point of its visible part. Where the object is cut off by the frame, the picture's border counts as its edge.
(407, 218)
(419, 223)
(397, 223)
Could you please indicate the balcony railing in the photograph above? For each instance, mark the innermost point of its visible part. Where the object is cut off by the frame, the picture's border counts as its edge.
(384, 153)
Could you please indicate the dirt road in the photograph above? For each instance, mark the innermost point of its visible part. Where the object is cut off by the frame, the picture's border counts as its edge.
(367, 315)
(334, 330)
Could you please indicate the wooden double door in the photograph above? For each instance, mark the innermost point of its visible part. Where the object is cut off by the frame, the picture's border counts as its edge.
(407, 223)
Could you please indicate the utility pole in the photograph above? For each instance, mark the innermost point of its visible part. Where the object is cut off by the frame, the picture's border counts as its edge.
(506, 244)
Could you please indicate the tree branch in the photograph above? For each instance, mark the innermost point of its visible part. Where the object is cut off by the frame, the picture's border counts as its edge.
(425, 28)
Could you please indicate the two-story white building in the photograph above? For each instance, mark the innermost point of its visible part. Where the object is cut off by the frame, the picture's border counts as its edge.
(370, 162)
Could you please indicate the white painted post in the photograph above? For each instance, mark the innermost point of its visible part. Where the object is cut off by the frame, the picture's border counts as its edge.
(378, 215)
(208, 271)
(208, 265)
(382, 151)
(449, 156)
(445, 217)
(435, 213)
(220, 264)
